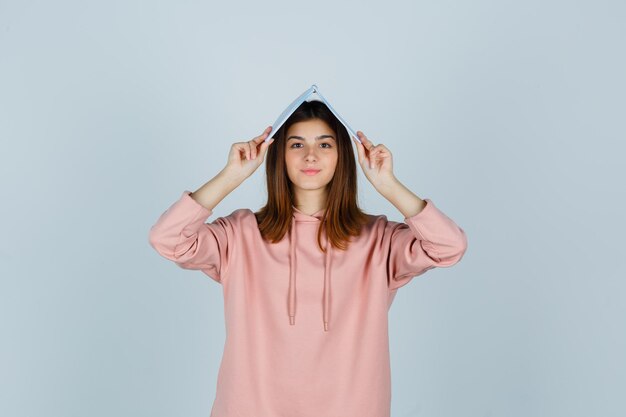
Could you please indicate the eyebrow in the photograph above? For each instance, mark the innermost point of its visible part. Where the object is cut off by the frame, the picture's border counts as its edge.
(317, 138)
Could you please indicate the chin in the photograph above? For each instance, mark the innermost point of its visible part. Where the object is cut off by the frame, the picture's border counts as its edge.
(311, 186)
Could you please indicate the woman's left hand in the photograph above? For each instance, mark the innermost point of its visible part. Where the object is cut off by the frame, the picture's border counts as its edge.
(376, 161)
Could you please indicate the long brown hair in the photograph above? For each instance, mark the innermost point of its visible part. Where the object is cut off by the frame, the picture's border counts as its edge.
(343, 218)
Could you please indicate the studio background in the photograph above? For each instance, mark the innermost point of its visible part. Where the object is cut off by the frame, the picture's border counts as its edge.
(508, 115)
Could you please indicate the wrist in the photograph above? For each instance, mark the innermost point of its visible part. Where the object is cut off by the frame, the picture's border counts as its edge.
(231, 179)
(386, 186)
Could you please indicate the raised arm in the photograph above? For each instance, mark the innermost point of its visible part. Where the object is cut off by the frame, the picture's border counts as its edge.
(181, 234)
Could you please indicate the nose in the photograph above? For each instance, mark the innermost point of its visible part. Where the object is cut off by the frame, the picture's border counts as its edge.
(311, 155)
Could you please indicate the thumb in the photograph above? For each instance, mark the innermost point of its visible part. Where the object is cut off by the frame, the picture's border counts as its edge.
(264, 147)
(359, 148)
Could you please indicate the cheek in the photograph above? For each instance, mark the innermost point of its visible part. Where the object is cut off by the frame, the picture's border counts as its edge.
(335, 159)
(288, 162)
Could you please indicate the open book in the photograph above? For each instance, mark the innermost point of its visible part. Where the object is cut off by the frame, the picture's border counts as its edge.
(294, 105)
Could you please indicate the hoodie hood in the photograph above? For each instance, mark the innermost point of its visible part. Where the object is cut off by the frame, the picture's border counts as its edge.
(299, 216)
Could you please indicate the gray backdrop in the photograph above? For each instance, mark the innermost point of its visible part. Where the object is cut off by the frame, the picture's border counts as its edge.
(508, 115)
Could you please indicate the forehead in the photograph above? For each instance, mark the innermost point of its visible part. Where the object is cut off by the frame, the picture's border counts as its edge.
(311, 127)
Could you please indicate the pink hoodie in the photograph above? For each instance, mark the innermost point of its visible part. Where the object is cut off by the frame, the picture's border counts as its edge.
(306, 332)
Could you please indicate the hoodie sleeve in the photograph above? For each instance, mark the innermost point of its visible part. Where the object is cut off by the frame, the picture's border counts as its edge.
(181, 235)
(424, 241)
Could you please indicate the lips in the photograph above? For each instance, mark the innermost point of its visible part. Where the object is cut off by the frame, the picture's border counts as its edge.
(310, 171)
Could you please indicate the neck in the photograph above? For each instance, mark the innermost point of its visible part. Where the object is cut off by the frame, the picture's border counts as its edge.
(310, 201)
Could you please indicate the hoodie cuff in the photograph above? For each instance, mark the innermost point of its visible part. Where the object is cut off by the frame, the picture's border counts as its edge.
(429, 213)
(439, 233)
(188, 202)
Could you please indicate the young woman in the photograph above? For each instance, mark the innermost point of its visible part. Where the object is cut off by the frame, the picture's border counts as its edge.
(307, 280)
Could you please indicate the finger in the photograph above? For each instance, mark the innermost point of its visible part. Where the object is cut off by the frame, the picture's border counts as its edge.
(368, 146)
(372, 161)
(253, 150)
(383, 151)
(374, 155)
(263, 135)
(261, 151)
(264, 147)
(372, 152)
(364, 156)
(259, 140)
(380, 148)
(380, 151)
(359, 149)
(241, 152)
(244, 150)
(382, 155)
(366, 142)
(379, 156)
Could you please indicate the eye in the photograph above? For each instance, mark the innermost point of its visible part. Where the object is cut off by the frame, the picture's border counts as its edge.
(325, 143)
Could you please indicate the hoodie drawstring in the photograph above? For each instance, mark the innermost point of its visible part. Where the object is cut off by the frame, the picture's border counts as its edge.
(292, 279)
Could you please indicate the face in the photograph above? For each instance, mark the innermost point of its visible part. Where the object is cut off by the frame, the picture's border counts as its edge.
(311, 144)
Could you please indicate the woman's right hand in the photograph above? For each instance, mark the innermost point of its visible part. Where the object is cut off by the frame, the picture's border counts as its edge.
(245, 157)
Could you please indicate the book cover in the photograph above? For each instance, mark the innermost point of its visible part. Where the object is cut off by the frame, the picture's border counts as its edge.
(299, 100)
